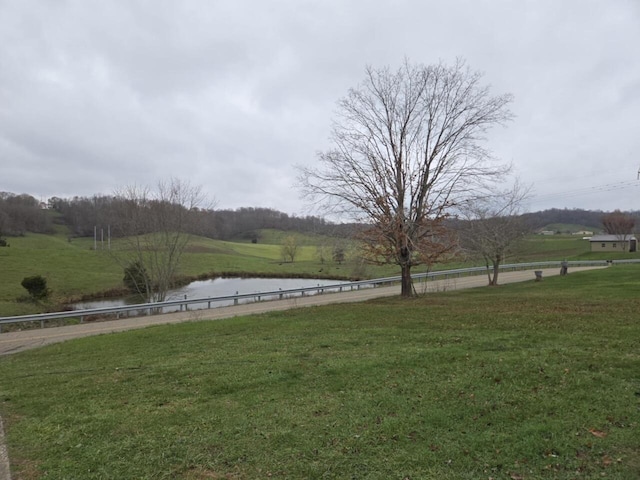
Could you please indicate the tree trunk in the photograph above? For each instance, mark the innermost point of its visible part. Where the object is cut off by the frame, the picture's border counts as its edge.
(496, 269)
(488, 272)
(407, 282)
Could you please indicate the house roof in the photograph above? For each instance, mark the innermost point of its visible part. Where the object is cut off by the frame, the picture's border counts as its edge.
(611, 238)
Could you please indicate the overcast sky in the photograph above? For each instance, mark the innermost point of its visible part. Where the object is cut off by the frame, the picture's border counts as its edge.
(230, 95)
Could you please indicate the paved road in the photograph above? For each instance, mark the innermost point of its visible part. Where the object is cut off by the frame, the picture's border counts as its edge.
(13, 342)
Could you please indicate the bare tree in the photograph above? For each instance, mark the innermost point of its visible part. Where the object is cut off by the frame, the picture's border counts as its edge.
(407, 148)
(492, 226)
(155, 229)
(289, 248)
(339, 253)
(619, 224)
(322, 252)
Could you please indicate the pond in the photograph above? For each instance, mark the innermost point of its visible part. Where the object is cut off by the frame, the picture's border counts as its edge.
(216, 287)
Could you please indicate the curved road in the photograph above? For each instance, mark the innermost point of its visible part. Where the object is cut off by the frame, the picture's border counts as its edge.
(13, 342)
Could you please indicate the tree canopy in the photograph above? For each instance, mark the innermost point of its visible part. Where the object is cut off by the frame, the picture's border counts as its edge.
(407, 148)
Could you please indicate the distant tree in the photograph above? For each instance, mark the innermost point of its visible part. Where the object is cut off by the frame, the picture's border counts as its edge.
(83, 214)
(289, 248)
(4, 223)
(20, 214)
(619, 224)
(322, 252)
(406, 150)
(36, 286)
(492, 227)
(339, 253)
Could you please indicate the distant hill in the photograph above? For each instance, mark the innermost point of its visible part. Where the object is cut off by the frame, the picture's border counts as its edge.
(20, 214)
(569, 220)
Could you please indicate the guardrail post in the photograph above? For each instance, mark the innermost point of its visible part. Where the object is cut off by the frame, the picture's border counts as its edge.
(235, 300)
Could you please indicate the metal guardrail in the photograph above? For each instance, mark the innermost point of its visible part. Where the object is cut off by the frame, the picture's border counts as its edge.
(158, 307)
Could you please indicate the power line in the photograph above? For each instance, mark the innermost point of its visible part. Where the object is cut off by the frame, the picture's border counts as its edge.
(588, 190)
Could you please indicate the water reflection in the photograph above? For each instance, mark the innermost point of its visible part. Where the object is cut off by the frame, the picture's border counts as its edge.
(217, 287)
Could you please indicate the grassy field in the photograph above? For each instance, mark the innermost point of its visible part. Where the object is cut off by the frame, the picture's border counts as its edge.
(539, 380)
(74, 269)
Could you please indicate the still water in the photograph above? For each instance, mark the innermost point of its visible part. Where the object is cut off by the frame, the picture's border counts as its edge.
(217, 287)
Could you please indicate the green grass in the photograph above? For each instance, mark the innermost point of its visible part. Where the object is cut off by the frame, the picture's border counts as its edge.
(71, 268)
(553, 247)
(539, 380)
(74, 269)
(569, 228)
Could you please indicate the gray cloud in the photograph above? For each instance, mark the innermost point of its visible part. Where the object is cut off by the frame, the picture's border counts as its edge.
(230, 95)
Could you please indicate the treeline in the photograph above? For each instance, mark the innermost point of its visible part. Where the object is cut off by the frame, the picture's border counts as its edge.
(23, 213)
(20, 214)
(588, 218)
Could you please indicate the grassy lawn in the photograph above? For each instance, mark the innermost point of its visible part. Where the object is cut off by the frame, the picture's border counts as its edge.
(527, 381)
(557, 247)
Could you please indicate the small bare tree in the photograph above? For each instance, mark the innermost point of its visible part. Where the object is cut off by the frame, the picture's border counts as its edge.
(406, 150)
(155, 228)
(619, 224)
(492, 226)
(322, 252)
(289, 248)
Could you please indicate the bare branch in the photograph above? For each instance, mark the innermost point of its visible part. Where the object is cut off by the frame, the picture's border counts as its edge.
(406, 150)
(492, 226)
(155, 227)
